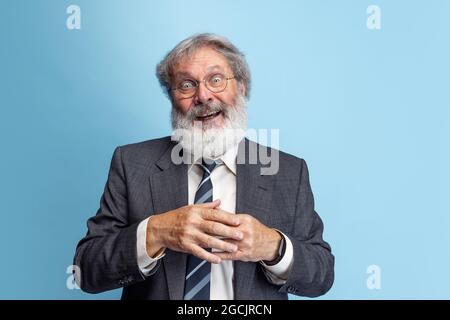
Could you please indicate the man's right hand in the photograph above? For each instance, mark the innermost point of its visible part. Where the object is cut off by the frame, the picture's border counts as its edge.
(193, 228)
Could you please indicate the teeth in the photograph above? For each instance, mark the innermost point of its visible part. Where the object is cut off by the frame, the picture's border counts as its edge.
(209, 114)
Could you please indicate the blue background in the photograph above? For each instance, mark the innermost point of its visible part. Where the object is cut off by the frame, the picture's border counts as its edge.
(367, 109)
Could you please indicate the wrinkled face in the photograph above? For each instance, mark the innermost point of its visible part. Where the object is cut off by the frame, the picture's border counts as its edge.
(205, 64)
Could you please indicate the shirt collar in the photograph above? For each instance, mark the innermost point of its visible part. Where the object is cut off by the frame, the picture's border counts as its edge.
(228, 158)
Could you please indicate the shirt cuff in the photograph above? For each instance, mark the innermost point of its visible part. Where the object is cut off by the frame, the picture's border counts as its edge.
(145, 262)
(279, 273)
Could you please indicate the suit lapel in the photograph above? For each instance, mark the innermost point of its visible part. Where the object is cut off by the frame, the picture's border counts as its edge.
(169, 187)
(252, 190)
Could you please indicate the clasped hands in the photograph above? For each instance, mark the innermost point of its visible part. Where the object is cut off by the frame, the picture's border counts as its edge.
(195, 228)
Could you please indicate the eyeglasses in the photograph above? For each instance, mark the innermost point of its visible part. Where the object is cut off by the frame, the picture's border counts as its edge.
(187, 88)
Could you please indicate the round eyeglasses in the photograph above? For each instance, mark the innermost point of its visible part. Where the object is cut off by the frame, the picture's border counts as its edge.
(187, 88)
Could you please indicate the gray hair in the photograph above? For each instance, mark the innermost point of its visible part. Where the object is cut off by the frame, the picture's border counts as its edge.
(187, 47)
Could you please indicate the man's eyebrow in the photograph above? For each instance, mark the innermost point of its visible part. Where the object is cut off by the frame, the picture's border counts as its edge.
(183, 74)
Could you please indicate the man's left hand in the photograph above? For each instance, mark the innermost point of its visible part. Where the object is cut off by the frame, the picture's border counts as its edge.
(259, 242)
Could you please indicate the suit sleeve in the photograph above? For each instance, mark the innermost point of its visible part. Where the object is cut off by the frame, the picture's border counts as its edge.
(107, 256)
(312, 272)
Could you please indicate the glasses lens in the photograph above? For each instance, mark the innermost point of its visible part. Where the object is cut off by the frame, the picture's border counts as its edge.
(187, 87)
(216, 83)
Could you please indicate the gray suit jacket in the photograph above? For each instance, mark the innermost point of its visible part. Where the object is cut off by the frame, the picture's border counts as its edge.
(143, 181)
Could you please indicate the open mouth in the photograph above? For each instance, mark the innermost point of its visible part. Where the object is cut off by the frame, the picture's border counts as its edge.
(208, 116)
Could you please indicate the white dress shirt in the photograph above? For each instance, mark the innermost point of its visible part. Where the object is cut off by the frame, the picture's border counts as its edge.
(223, 179)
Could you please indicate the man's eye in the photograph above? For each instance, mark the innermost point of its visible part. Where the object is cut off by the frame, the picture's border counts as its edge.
(187, 85)
(216, 80)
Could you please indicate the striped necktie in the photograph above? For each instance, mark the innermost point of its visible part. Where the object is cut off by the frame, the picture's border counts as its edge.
(198, 271)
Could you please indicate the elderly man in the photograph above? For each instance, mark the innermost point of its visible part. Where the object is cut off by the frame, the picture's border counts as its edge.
(208, 226)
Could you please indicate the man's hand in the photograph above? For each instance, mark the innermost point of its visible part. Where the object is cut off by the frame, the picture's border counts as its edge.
(259, 242)
(192, 228)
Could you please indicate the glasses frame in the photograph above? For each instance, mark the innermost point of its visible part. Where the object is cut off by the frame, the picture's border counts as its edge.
(197, 85)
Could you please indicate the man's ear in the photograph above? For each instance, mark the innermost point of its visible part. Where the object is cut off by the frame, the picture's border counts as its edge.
(242, 88)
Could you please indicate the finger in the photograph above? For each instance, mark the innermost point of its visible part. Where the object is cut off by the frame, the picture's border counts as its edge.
(203, 254)
(245, 217)
(227, 255)
(210, 205)
(220, 216)
(215, 243)
(222, 230)
(237, 243)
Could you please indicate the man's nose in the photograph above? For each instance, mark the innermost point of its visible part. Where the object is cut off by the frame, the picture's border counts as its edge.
(203, 95)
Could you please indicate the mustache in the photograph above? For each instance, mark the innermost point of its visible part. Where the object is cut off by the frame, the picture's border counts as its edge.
(202, 109)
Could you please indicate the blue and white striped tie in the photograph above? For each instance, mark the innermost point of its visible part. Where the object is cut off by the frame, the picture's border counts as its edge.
(198, 271)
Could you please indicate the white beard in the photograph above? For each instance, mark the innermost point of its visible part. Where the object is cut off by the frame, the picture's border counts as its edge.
(208, 141)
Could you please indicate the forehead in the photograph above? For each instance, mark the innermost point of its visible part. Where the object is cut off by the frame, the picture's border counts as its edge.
(202, 61)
